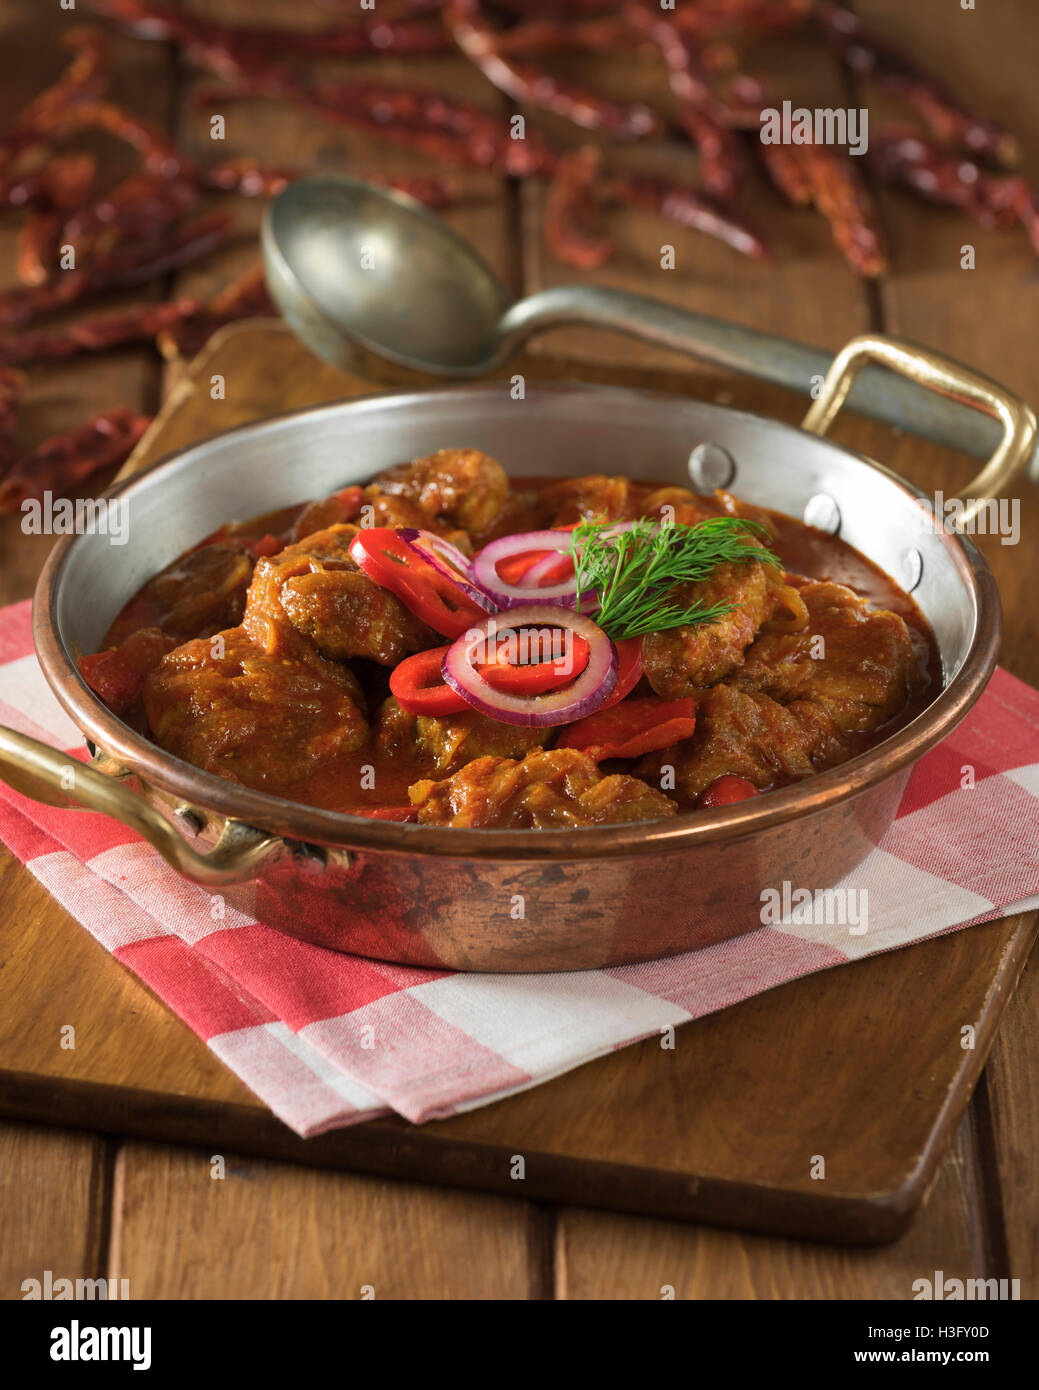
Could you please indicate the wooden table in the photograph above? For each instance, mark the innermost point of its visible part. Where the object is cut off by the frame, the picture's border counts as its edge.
(83, 1204)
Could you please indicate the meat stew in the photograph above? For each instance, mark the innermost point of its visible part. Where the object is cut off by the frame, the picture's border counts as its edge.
(266, 655)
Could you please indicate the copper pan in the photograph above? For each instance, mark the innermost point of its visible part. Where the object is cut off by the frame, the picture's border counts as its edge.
(506, 900)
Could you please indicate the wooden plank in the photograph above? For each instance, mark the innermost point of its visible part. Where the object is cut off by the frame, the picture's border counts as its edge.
(615, 1257)
(271, 1231)
(61, 977)
(53, 1195)
(1010, 1131)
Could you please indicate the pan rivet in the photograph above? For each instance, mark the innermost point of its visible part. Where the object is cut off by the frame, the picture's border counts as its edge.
(711, 466)
(190, 817)
(822, 512)
(911, 569)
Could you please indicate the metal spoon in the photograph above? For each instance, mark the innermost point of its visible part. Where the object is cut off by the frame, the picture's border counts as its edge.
(371, 280)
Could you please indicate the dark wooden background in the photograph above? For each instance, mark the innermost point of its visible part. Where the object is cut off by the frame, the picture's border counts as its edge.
(86, 1204)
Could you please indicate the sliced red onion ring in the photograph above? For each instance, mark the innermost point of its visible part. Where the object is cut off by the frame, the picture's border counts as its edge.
(592, 687)
(484, 569)
(448, 560)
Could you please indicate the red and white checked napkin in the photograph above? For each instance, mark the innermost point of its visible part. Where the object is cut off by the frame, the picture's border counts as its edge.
(327, 1040)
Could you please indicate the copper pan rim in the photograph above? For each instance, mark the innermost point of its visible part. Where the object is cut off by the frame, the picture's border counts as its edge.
(191, 787)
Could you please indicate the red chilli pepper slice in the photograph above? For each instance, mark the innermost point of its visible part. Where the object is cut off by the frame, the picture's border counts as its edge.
(440, 603)
(419, 688)
(417, 682)
(629, 670)
(726, 791)
(633, 728)
(535, 677)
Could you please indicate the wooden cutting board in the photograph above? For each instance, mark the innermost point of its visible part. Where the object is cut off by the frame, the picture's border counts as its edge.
(862, 1065)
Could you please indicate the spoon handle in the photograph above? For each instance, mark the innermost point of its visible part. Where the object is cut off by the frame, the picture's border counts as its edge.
(876, 393)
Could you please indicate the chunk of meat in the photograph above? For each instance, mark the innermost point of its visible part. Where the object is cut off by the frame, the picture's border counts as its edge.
(323, 512)
(455, 487)
(747, 734)
(200, 593)
(382, 509)
(728, 505)
(314, 590)
(592, 497)
(543, 791)
(676, 504)
(448, 741)
(268, 721)
(856, 662)
(684, 660)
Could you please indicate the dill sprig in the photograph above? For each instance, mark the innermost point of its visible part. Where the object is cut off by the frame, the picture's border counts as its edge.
(633, 571)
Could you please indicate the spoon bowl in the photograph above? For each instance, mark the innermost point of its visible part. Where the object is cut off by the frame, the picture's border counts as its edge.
(372, 279)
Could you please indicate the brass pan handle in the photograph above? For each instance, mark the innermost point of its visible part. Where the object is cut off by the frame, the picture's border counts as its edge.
(47, 775)
(948, 378)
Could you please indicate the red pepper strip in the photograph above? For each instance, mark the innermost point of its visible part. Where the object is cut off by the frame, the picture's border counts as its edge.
(538, 676)
(555, 574)
(419, 687)
(633, 728)
(117, 675)
(629, 672)
(514, 567)
(266, 545)
(398, 813)
(725, 791)
(430, 595)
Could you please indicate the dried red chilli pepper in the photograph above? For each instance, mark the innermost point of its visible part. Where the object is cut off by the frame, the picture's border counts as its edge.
(408, 113)
(245, 176)
(838, 192)
(84, 79)
(943, 176)
(61, 184)
(39, 239)
(245, 297)
(158, 154)
(122, 268)
(532, 86)
(424, 188)
(142, 204)
(12, 384)
(688, 208)
(698, 112)
(944, 114)
(551, 7)
(66, 460)
(743, 17)
(572, 227)
(1027, 208)
(95, 333)
(789, 172)
(234, 50)
(455, 131)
